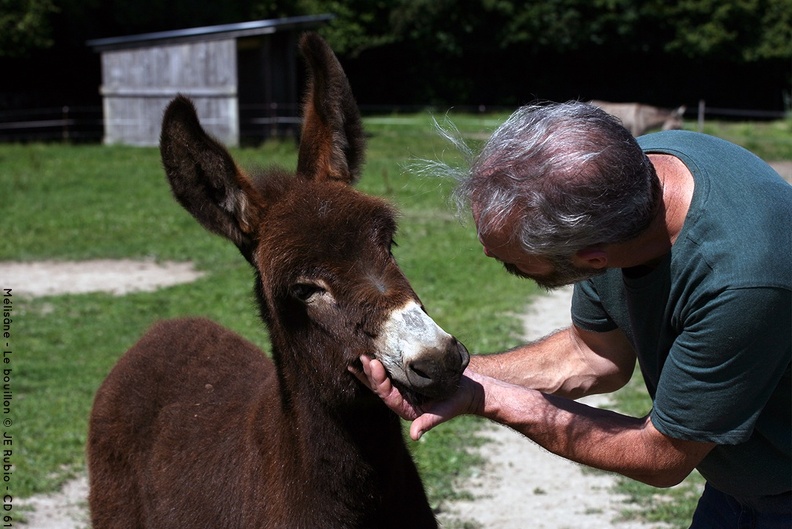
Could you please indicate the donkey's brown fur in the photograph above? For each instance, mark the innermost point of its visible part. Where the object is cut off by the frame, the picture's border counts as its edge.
(195, 427)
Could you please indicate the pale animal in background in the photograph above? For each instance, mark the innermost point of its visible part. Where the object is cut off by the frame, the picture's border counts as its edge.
(639, 118)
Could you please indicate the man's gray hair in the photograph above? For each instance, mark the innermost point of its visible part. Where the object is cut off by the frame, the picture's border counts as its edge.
(565, 175)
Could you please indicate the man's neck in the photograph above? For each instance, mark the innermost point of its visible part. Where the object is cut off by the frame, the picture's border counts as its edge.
(648, 249)
(677, 183)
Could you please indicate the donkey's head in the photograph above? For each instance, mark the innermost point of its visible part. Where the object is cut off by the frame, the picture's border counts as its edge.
(327, 282)
(675, 119)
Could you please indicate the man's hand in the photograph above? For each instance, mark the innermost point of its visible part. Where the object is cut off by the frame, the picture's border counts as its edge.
(376, 379)
(469, 398)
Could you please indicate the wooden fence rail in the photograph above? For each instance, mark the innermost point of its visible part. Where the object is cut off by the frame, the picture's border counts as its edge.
(77, 124)
(85, 124)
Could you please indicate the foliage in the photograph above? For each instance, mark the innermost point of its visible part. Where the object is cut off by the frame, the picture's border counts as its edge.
(750, 29)
(753, 29)
(25, 26)
(733, 53)
(358, 25)
(566, 47)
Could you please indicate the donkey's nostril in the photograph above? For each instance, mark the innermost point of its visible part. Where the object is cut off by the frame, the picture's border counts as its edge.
(421, 370)
(464, 355)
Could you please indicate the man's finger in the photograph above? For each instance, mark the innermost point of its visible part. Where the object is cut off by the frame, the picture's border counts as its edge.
(360, 375)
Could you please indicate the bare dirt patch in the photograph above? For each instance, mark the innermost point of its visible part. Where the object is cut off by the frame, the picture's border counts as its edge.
(119, 277)
(68, 509)
(521, 484)
(784, 168)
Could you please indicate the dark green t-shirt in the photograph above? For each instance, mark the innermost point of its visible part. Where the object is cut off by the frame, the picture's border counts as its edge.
(712, 324)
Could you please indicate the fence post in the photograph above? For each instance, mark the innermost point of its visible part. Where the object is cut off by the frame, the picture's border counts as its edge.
(701, 115)
(65, 116)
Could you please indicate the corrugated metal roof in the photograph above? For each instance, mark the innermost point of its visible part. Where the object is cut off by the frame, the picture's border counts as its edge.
(223, 31)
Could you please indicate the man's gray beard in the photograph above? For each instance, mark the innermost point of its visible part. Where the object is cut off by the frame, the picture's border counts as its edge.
(564, 273)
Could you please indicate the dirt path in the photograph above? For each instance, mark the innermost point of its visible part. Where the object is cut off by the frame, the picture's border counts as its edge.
(119, 276)
(522, 485)
(784, 168)
(68, 508)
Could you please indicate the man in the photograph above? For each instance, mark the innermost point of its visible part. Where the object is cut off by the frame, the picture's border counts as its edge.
(680, 248)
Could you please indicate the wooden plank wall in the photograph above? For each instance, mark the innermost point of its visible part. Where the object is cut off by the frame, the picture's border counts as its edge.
(138, 83)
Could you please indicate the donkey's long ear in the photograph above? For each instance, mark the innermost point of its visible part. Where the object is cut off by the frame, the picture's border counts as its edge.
(332, 142)
(204, 178)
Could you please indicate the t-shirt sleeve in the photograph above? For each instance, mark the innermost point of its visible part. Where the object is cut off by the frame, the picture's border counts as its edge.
(588, 311)
(725, 365)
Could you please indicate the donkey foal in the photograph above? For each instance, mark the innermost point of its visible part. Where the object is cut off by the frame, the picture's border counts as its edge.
(195, 427)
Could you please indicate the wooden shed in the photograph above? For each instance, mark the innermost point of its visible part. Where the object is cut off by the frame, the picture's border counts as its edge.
(244, 79)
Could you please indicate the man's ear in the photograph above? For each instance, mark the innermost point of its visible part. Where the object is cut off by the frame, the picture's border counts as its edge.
(595, 257)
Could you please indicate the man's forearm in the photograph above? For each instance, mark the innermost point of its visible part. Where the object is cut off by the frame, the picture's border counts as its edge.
(597, 438)
(552, 365)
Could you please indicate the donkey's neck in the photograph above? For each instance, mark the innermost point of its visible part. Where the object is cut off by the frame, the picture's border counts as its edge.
(351, 451)
(334, 411)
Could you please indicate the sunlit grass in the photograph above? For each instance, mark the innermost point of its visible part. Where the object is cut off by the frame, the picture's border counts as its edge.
(85, 202)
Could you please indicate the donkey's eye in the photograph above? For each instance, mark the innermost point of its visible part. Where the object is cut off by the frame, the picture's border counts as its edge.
(305, 291)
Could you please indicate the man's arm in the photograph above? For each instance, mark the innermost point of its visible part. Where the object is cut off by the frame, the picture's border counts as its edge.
(571, 362)
(598, 438)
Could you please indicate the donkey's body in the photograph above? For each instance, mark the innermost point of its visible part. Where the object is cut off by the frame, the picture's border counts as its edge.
(639, 118)
(211, 440)
(195, 427)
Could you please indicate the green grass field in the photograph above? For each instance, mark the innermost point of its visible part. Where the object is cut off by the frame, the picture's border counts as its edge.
(65, 202)
(83, 202)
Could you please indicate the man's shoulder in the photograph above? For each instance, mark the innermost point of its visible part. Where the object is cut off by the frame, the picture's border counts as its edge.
(680, 139)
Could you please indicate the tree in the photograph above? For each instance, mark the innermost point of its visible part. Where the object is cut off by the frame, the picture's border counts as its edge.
(743, 30)
(459, 51)
(25, 26)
